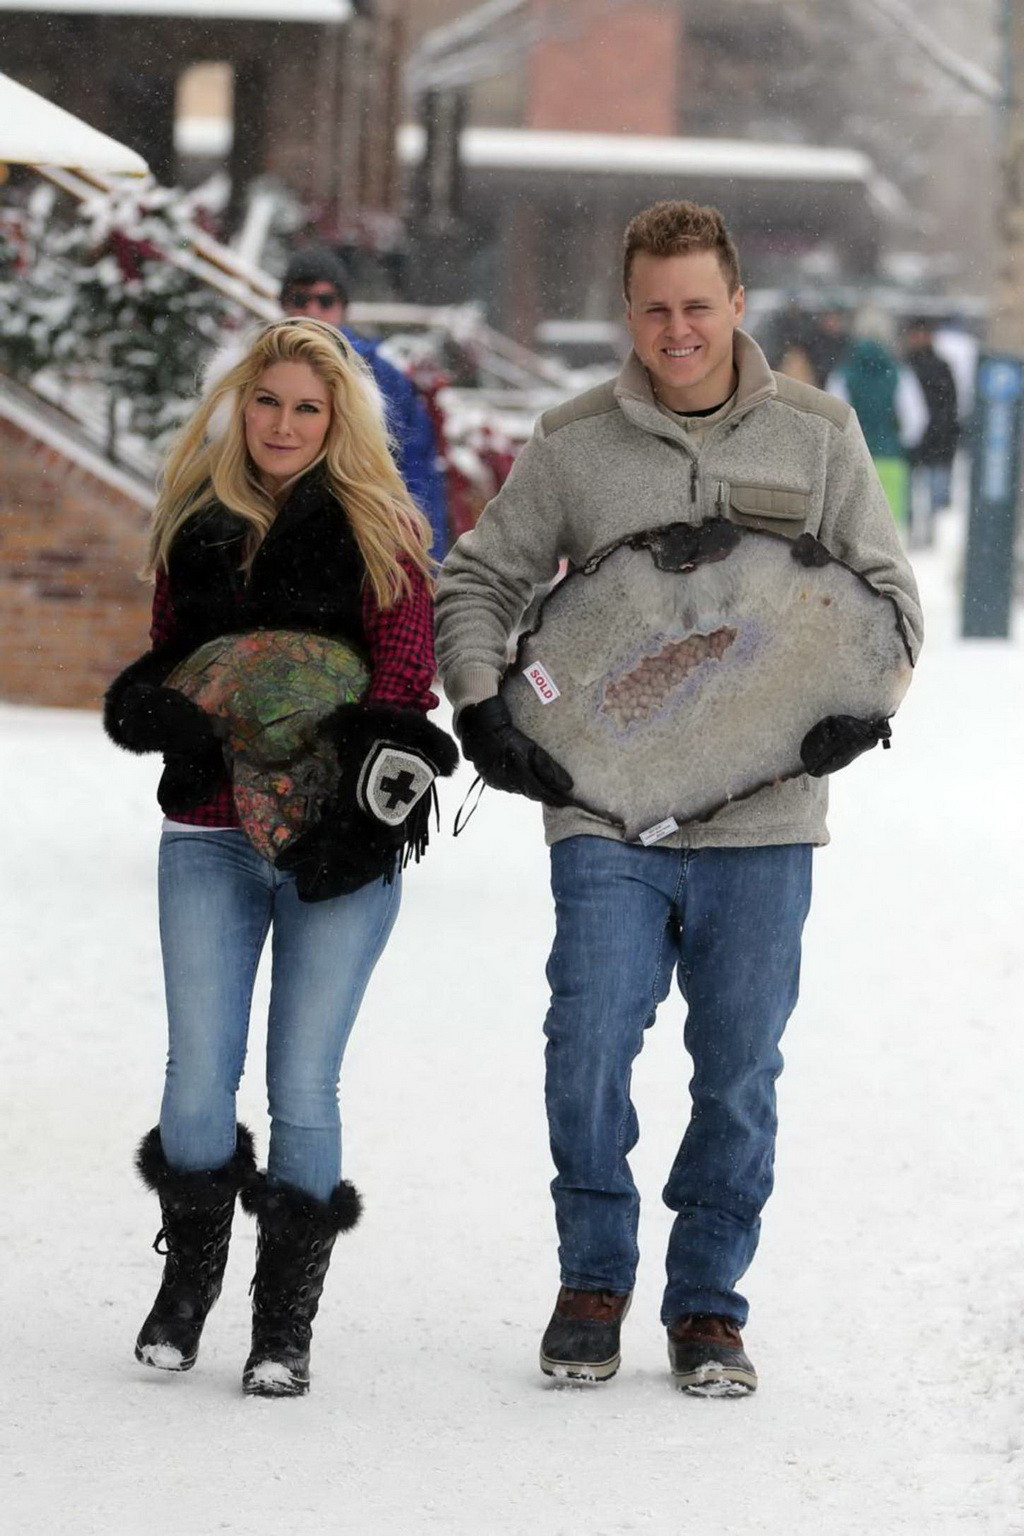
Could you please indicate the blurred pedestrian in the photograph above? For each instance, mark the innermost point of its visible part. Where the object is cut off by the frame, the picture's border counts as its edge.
(887, 400)
(831, 338)
(956, 343)
(291, 518)
(931, 458)
(790, 345)
(315, 283)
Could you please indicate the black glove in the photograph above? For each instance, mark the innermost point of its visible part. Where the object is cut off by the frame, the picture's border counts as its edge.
(341, 852)
(837, 740)
(389, 758)
(378, 817)
(506, 759)
(189, 779)
(809, 551)
(159, 719)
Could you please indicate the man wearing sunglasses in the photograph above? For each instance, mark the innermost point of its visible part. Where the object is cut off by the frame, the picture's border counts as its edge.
(316, 284)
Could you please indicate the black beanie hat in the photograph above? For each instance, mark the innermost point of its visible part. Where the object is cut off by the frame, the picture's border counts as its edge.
(316, 264)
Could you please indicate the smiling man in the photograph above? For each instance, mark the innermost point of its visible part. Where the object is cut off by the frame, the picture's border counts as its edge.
(696, 426)
(683, 311)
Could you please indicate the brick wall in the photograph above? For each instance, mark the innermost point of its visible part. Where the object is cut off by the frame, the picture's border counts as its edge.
(606, 70)
(72, 610)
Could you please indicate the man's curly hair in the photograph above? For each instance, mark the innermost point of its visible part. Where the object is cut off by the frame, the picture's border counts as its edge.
(676, 229)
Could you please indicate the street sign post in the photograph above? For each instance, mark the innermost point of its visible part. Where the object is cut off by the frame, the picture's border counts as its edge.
(995, 490)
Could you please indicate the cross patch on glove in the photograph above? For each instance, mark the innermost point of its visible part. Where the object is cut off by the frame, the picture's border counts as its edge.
(392, 781)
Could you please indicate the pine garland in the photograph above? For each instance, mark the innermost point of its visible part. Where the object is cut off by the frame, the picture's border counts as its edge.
(96, 302)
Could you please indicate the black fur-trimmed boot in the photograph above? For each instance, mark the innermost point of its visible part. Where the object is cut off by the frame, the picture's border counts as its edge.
(295, 1236)
(197, 1209)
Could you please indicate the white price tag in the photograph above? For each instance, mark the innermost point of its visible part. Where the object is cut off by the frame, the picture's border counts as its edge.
(661, 829)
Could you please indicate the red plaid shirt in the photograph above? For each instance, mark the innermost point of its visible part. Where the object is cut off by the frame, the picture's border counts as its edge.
(402, 667)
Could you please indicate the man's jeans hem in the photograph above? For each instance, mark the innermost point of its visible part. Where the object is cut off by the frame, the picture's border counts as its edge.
(703, 1303)
(581, 1282)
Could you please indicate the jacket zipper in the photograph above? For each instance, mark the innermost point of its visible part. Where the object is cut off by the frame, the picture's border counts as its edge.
(693, 481)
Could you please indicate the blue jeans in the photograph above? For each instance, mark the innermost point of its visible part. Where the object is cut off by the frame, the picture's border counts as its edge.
(729, 920)
(218, 900)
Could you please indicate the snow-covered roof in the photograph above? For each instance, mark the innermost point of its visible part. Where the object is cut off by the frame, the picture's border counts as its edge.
(34, 131)
(220, 10)
(611, 154)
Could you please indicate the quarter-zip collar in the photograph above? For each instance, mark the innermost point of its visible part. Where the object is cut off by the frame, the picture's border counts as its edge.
(635, 394)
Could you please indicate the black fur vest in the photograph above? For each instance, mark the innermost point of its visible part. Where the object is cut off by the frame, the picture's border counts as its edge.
(306, 575)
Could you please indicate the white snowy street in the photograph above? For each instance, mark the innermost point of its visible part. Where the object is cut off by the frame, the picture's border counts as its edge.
(886, 1300)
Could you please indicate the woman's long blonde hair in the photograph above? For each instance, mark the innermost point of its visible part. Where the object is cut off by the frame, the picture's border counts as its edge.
(206, 465)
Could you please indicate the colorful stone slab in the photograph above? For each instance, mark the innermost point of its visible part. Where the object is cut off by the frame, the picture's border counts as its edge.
(271, 688)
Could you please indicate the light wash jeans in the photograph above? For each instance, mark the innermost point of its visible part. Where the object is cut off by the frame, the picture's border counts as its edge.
(218, 900)
(729, 920)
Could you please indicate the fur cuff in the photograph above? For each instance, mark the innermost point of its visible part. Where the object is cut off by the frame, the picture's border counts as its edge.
(151, 668)
(217, 1183)
(283, 1206)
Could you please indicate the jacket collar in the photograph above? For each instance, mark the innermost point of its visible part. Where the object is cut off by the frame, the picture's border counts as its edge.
(635, 394)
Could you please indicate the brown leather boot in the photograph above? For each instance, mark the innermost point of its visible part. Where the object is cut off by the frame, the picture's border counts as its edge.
(581, 1342)
(707, 1357)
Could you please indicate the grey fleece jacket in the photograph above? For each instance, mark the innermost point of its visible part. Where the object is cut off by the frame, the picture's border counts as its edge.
(609, 463)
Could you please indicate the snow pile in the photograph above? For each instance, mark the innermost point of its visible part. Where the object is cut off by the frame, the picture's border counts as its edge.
(886, 1323)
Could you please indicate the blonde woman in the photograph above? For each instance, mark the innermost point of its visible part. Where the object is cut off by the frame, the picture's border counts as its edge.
(280, 511)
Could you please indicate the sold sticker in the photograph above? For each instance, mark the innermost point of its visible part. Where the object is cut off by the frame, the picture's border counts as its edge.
(537, 677)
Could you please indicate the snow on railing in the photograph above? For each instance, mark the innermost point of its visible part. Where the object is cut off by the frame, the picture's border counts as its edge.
(28, 409)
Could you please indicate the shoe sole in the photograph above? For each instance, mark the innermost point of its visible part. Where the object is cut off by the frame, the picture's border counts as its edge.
(271, 1379)
(147, 1354)
(262, 1389)
(580, 1370)
(716, 1381)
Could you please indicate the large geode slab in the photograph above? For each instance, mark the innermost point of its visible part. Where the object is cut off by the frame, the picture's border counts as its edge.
(680, 670)
(269, 689)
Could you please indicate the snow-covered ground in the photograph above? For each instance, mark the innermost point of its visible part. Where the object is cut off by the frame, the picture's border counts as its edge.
(887, 1296)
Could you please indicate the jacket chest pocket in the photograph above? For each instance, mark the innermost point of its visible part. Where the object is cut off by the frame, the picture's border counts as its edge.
(770, 508)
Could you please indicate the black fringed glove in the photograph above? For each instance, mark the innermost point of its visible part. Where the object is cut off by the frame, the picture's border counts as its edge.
(190, 778)
(389, 758)
(507, 759)
(341, 852)
(141, 714)
(378, 817)
(835, 741)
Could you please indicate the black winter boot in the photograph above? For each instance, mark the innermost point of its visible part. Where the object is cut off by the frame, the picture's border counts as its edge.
(581, 1342)
(197, 1208)
(707, 1357)
(295, 1236)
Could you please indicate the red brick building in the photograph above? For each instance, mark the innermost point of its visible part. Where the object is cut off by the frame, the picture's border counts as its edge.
(72, 538)
(578, 113)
